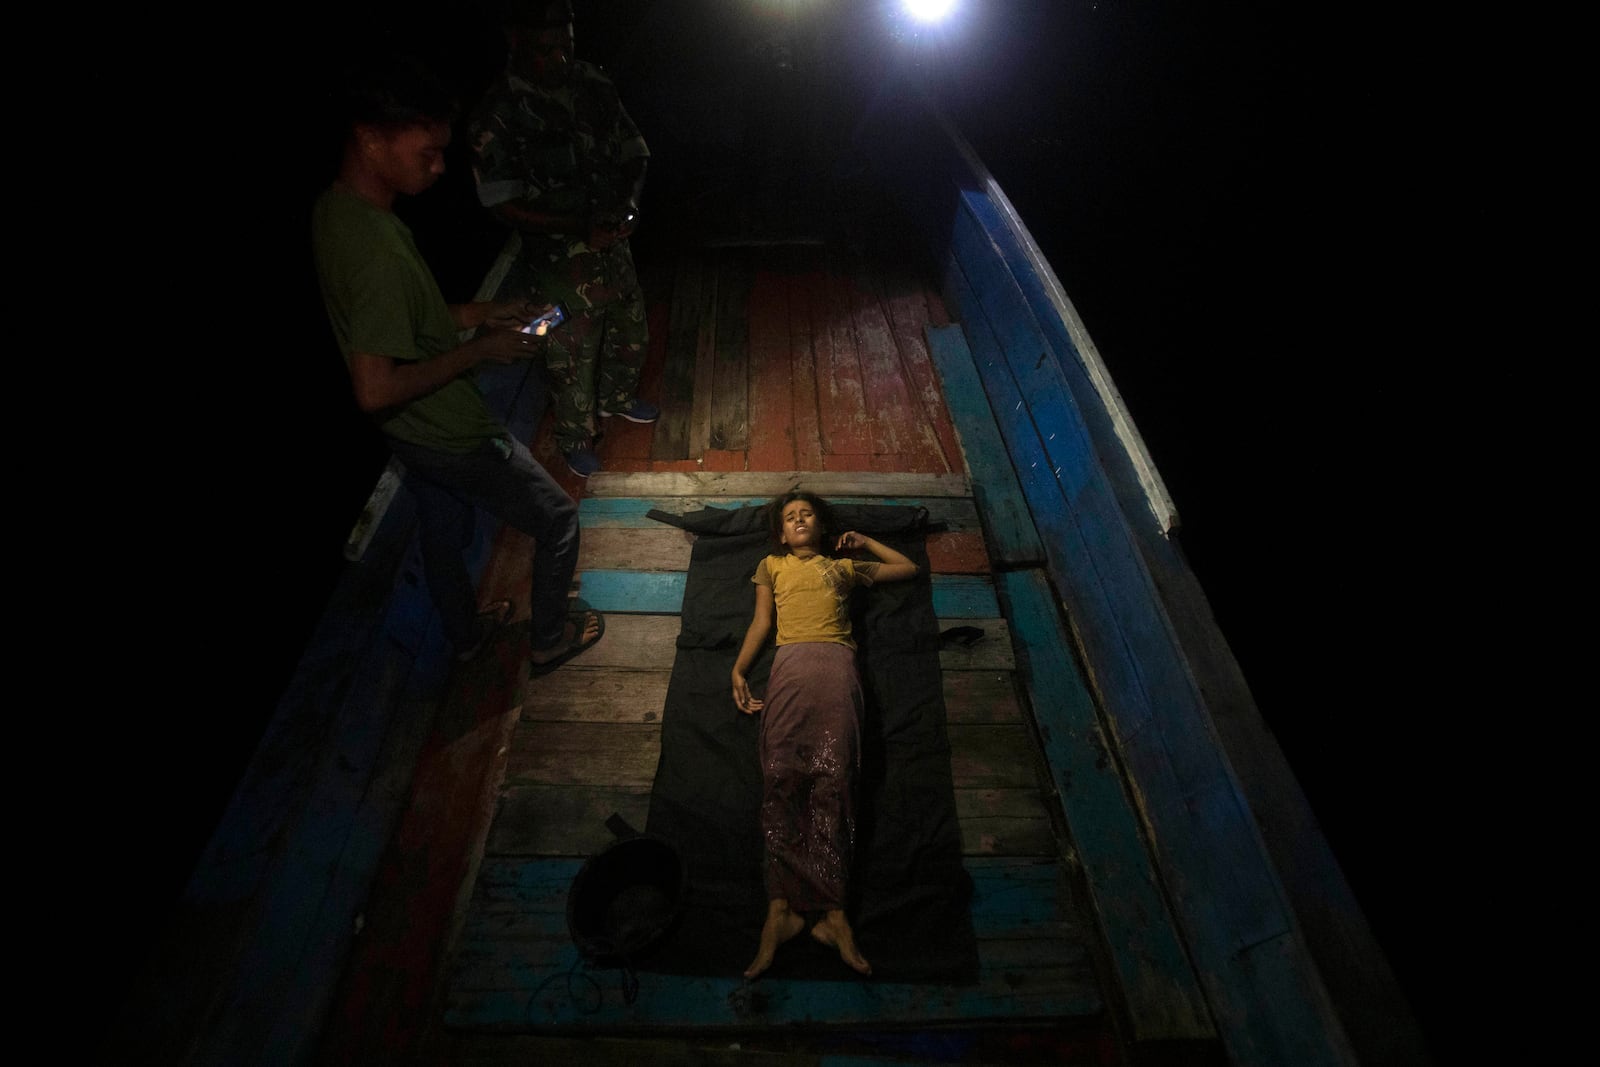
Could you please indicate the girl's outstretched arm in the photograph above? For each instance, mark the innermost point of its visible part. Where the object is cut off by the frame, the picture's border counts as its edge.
(896, 566)
(754, 638)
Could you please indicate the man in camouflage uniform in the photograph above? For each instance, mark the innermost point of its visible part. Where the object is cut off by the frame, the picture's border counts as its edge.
(557, 157)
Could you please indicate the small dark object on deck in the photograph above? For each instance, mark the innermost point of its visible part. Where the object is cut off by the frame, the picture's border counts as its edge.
(625, 897)
(964, 636)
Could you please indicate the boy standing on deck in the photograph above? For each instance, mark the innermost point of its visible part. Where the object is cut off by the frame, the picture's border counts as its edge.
(557, 158)
(413, 376)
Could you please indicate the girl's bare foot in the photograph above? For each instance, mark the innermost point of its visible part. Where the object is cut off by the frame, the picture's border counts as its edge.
(834, 930)
(781, 925)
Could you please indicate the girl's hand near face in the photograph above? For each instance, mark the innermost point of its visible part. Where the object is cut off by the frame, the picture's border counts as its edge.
(850, 542)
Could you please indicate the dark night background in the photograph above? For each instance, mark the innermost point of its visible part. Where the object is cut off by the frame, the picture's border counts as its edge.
(1214, 185)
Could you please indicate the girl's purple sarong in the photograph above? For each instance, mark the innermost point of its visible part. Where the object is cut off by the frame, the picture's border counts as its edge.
(810, 753)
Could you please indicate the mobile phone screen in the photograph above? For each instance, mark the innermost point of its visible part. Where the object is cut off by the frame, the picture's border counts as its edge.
(547, 322)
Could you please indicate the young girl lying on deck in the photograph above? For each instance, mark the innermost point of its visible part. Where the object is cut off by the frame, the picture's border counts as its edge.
(811, 720)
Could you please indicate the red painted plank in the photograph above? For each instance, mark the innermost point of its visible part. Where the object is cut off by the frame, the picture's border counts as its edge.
(671, 440)
(705, 361)
(730, 399)
(897, 422)
(863, 461)
(803, 363)
(675, 466)
(772, 387)
(381, 1011)
(724, 459)
(957, 552)
(841, 406)
(908, 314)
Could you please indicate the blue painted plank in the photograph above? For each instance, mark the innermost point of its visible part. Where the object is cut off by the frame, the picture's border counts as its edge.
(994, 482)
(638, 592)
(323, 792)
(1210, 851)
(958, 596)
(1163, 996)
(514, 955)
(713, 1003)
(955, 596)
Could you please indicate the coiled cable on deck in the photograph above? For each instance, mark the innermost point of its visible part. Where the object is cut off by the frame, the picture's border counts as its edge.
(578, 1004)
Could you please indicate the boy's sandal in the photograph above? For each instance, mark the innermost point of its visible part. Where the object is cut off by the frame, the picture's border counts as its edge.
(580, 623)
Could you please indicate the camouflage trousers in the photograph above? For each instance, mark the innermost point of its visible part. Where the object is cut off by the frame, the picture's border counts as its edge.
(594, 357)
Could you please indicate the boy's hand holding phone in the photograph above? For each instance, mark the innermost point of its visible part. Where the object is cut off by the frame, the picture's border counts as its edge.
(545, 321)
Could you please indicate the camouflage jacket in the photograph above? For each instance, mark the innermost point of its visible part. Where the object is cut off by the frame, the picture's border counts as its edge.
(563, 150)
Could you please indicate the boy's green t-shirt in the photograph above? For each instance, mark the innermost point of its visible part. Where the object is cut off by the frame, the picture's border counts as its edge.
(383, 300)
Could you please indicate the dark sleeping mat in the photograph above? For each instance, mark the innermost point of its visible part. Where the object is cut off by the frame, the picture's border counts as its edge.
(909, 891)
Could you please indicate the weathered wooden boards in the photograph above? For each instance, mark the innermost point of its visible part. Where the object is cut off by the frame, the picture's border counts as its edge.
(1174, 703)
(1265, 992)
(249, 964)
(587, 745)
(797, 357)
(516, 955)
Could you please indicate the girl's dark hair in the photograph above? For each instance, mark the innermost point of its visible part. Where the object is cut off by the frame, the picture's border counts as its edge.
(775, 513)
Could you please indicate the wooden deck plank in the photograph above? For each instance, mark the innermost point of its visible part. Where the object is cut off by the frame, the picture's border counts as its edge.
(426, 870)
(563, 820)
(959, 516)
(841, 403)
(649, 592)
(772, 384)
(992, 756)
(569, 820)
(723, 459)
(1014, 898)
(1005, 992)
(730, 396)
(768, 484)
(631, 642)
(980, 697)
(899, 423)
(957, 552)
(658, 547)
(1004, 822)
(601, 695)
(907, 302)
(990, 653)
(1012, 533)
(671, 438)
(1032, 957)
(583, 753)
(1161, 991)
(884, 396)
(705, 360)
(803, 362)
(1261, 983)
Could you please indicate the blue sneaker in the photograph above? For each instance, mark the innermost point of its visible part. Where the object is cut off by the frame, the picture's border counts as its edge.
(582, 461)
(638, 411)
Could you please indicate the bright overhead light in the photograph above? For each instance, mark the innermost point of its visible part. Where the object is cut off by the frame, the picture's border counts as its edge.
(928, 10)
